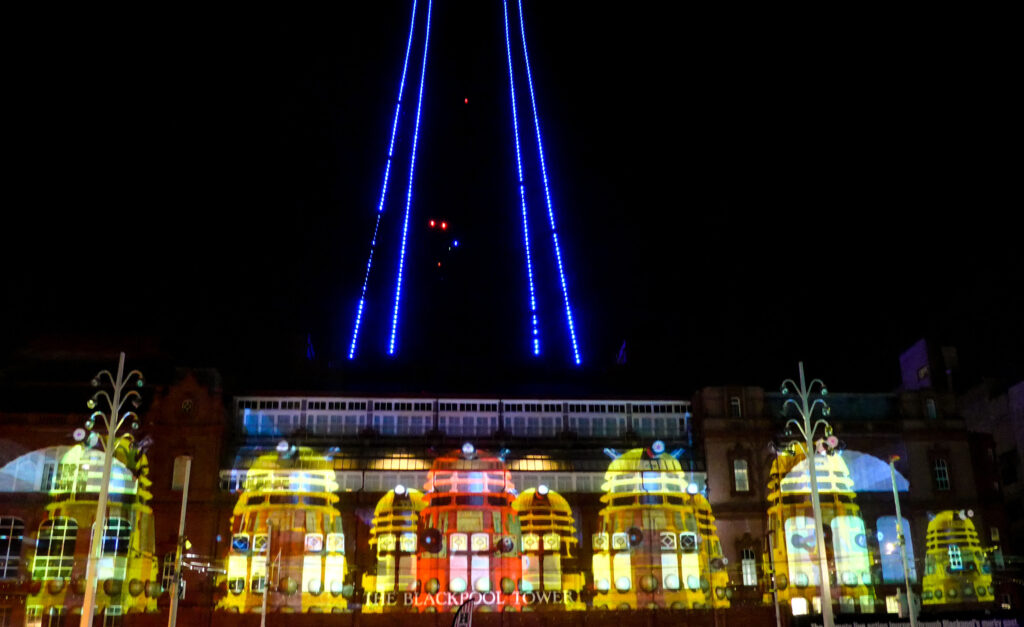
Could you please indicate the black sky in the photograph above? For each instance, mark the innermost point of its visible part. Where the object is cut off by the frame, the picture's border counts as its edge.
(734, 192)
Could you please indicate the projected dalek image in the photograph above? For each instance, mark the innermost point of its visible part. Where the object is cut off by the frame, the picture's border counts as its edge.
(658, 546)
(287, 515)
(394, 538)
(791, 523)
(549, 549)
(469, 534)
(127, 572)
(957, 568)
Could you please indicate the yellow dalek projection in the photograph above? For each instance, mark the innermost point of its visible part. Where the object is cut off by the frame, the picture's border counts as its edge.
(394, 537)
(658, 546)
(127, 573)
(791, 523)
(287, 515)
(549, 549)
(957, 568)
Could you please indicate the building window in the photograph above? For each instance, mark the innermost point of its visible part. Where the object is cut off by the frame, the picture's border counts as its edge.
(892, 604)
(748, 566)
(889, 546)
(994, 533)
(117, 534)
(1008, 466)
(929, 407)
(941, 474)
(55, 549)
(12, 533)
(48, 475)
(735, 407)
(112, 616)
(997, 559)
(54, 617)
(741, 481)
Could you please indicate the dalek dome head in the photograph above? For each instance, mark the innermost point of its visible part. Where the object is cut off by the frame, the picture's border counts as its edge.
(469, 471)
(81, 471)
(644, 470)
(541, 498)
(292, 469)
(951, 523)
(401, 499)
(831, 472)
(543, 511)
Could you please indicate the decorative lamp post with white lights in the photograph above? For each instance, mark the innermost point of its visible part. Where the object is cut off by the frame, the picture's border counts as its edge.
(112, 419)
(800, 397)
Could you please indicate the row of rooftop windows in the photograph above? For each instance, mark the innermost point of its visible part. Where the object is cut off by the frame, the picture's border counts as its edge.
(471, 426)
(445, 406)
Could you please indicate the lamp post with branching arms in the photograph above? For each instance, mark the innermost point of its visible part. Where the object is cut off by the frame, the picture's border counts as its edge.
(805, 407)
(903, 542)
(113, 419)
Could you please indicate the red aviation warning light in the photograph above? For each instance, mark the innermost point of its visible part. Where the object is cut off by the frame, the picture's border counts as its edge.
(444, 226)
(433, 224)
(465, 100)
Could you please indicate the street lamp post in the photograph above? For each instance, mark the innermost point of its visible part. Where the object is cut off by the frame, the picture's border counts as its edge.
(176, 582)
(266, 578)
(805, 407)
(113, 420)
(902, 542)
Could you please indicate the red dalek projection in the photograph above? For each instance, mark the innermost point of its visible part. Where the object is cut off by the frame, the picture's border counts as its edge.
(468, 531)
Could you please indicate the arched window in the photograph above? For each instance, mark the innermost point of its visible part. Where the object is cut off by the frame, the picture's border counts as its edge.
(889, 547)
(117, 535)
(741, 480)
(112, 616)
(55, 549)
(54, 616)
(748, 566)
(12, 533)
(941, 474)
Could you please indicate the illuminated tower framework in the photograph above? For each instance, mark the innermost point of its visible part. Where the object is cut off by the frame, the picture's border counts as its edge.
(533, 330)
(295, 493)
(791, 524)
(658, 546)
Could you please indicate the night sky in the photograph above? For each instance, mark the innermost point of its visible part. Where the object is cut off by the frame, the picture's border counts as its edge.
(733, 193)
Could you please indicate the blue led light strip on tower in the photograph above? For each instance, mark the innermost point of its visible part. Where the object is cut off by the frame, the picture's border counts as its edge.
(522, 192)
(547, 194)
(408, 194)
(384, 189)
